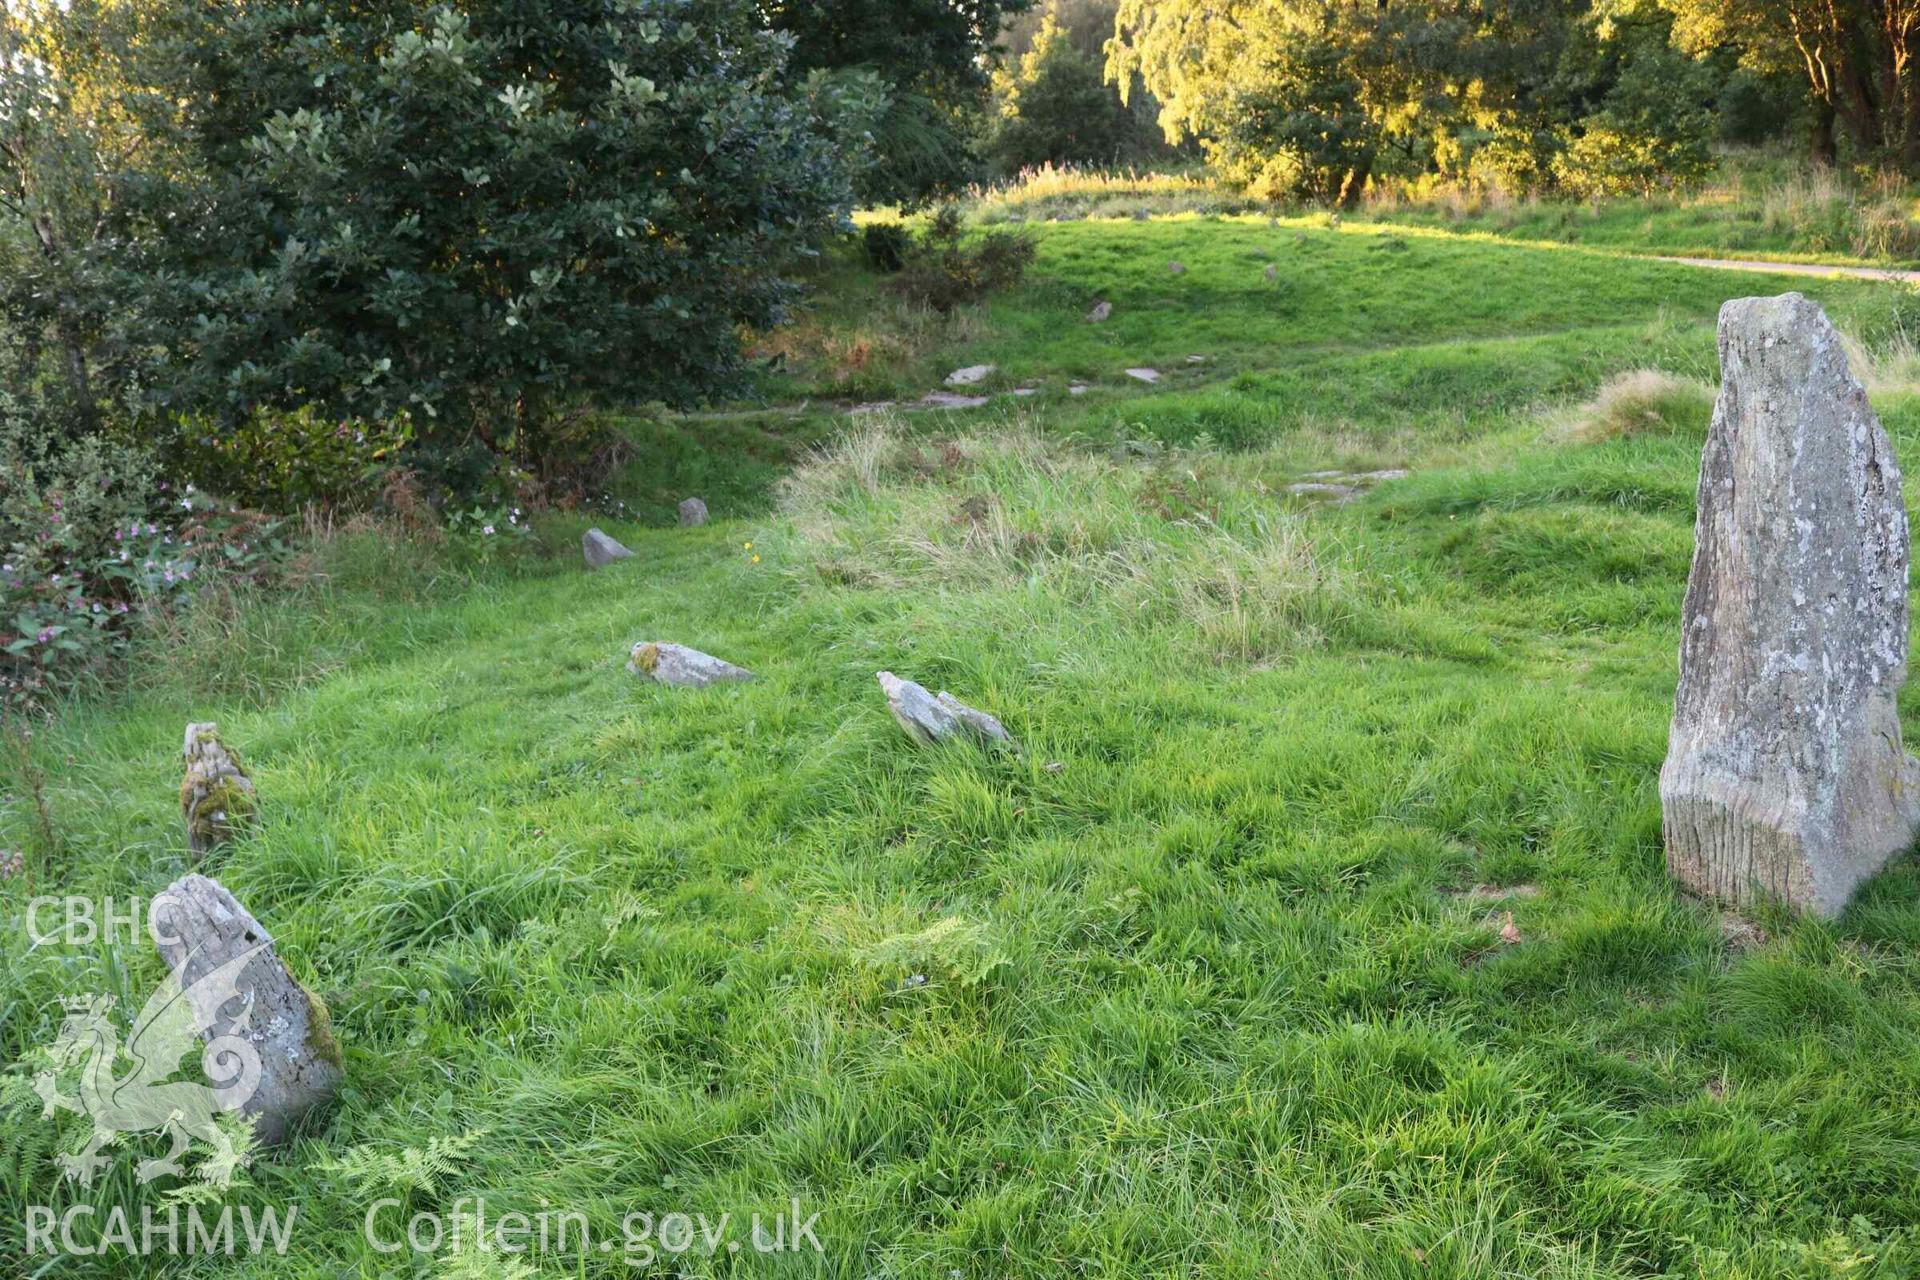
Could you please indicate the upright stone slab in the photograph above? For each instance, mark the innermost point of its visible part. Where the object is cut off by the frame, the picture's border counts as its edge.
(600, 549)
(216, 796)
(1785, 776)
(242, 994)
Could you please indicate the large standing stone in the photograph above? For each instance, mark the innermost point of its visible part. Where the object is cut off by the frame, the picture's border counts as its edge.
(1785, 777)
(693, 513)
(257, 1008)
(216, 796)
(600, 550)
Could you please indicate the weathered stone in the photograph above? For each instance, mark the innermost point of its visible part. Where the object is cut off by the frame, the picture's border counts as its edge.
(1337, 494)
(1148, 376)
(676, 664)
(1272, 273)
(256, 1018)
(1785, 777)
(951, 400)
(601, 550)
(929, 718)
(967, 377)
(216, 796)
(1076, 388)
(1101, 310)
(1176, 268)
(693, 513)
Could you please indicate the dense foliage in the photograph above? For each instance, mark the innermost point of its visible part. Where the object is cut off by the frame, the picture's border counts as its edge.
(1053, 105)
(934, 57)
(476, 217)
(472, 214)
(1319, 99)
(1855, 58)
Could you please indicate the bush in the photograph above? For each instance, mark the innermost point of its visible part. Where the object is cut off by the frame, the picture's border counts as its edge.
(79, 549)
(887, 245)
(945, 271)
(478, 215)
(285, 460)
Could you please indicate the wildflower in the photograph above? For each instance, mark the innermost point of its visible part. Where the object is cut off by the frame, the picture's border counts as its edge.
(186, 504)
(487, 529)
(756, 560)
(46, 634)
(55, 578)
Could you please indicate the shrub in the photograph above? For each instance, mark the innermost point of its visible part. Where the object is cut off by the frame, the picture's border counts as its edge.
(79, 548)
(285, 460)
(474, 214)
(945, 270)
(886, 245)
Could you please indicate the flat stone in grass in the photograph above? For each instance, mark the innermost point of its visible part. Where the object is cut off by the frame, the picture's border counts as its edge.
(969, 376)
(216, 796)
(270, 1049)
(951, 400)
(1336, 493)
(675, 664)
(929, 718)
(601, 550)
(1785, 776)
(693, 513)
(1148, 376)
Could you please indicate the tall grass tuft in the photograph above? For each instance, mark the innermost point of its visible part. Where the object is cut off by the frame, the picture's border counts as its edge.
(1166, 540)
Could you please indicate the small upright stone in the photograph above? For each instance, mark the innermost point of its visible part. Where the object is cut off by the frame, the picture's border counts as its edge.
(676, 664)
(929, 718)
(1785, 777)
(693, 513)
(216, 796)
(1176, 268)
(256, 1019)
(1101, 310)
(601, 550)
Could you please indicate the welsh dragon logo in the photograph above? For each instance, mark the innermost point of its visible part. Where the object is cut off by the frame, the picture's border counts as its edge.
(145, 1096)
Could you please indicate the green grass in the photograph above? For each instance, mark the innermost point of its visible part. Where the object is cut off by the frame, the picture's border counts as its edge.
(1758, 204)
(1209, 979)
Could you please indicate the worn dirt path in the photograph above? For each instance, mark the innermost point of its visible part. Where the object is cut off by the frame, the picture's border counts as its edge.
(1796, 268)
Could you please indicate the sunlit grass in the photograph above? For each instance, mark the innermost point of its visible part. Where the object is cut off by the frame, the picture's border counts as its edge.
(1209, 978)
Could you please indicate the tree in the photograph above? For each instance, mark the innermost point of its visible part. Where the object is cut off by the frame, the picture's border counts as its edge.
(476, 216)
(1055, 107)
(63, 133)
(1298, 95)
(1856, 58)
(935, 56)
